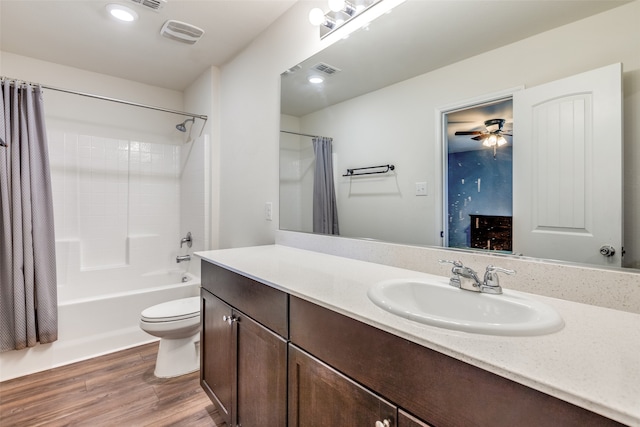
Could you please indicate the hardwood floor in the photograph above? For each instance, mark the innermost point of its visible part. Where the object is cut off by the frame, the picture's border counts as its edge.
(118, 389)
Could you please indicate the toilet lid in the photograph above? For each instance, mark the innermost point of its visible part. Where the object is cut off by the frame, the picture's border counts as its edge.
(179, 309)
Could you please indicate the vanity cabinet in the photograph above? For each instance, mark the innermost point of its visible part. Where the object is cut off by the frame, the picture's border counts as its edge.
(435, 388)
(243, 348)
(319, 396)
(408, 420)
(273, 359)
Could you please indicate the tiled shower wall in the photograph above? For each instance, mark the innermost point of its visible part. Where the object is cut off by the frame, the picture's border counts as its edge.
(116, 204)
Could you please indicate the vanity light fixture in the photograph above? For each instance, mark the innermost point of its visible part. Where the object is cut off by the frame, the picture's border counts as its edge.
(340, 12)
(343, 6)
(317, 17)
(122, 13)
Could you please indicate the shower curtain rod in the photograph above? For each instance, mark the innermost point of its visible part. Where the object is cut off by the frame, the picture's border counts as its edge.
(120, 101)
(301, 134)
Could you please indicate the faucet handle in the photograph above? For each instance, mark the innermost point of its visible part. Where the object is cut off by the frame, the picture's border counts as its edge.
(186, 240)
(491, 281)
(454, 280)
(455, 263)
(494, 269)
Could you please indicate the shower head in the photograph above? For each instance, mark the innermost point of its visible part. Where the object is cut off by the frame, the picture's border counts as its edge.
(182, 126)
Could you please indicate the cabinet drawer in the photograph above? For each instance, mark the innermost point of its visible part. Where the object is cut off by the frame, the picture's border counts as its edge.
(434, 387)
(265, 304)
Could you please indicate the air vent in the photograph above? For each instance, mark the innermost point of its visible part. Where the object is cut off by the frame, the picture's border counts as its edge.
(151, 4)
(291, 70)
(326, 68)
(181, 31)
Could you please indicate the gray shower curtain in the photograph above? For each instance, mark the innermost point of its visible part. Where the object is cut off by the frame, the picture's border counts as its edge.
(28, 288)
(325, 211)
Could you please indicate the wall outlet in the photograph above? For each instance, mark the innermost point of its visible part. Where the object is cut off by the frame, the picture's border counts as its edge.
(421, 188)
(268, 211)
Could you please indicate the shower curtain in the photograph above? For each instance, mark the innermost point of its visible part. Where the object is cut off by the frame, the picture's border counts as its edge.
(325, 211)
(28, 287)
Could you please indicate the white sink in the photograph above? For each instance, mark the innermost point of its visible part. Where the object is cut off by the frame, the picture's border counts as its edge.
(442, 305)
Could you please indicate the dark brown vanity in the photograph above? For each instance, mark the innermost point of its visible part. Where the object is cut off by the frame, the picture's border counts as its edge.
(273, 359)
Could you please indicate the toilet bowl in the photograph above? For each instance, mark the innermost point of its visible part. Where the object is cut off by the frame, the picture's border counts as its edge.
(177, 324)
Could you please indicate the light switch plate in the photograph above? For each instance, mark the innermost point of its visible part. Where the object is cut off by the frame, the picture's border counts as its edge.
(421, 188)
(268, 211)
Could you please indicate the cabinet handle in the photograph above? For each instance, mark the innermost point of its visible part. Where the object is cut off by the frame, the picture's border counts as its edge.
(383, 423)
(229, 319)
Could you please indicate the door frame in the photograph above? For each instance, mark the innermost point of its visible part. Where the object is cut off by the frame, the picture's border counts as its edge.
(442, 165)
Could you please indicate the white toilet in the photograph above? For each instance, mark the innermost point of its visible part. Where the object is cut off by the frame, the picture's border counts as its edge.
(177, 324)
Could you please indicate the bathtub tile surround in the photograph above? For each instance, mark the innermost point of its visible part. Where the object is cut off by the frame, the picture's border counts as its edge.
(116, 204)
(615, 288)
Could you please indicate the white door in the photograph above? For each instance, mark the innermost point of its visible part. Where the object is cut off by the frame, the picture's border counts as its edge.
(567, 168)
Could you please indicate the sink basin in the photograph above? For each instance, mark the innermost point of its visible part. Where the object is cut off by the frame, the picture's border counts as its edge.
(444, 306)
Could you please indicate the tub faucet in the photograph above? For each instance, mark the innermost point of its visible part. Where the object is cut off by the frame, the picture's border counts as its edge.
(466, 278)
(181, 258)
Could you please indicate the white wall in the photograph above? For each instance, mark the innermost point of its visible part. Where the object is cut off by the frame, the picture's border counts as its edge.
(250, 116)
(601, 40)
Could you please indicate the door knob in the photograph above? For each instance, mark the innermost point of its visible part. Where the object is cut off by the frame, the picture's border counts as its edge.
(607, 250)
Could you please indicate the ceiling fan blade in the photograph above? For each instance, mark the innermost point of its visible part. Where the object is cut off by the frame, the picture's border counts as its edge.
(506, 134)
(475, 132)
(479, 137)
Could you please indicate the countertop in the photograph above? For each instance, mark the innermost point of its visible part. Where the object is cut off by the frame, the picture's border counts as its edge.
(593, 362)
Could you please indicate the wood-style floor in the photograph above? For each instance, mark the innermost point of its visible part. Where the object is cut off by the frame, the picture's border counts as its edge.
(118, 389)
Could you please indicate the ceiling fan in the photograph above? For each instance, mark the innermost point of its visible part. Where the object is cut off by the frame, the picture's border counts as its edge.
(493, 136)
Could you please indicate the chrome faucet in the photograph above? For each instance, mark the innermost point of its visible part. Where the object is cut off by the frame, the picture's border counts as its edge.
(186, 240)
(181, 258)
(466, 278)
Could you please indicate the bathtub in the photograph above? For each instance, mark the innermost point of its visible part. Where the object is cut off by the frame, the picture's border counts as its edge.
(99, 318)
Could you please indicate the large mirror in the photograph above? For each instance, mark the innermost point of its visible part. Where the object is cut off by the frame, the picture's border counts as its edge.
(388, 89)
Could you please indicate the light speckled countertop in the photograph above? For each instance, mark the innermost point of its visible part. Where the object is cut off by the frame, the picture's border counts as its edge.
(593, 362)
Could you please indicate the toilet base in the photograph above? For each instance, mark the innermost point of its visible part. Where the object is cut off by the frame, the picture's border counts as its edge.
(178, 356)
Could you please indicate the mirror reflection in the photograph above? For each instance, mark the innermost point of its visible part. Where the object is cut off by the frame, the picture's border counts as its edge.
(392, 98)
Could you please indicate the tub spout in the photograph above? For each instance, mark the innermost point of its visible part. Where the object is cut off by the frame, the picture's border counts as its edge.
(181, 258)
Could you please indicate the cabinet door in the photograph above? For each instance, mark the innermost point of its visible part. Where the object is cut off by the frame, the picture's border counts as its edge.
(319, 396)
(217, 354)
(262, 375)
(407, 420)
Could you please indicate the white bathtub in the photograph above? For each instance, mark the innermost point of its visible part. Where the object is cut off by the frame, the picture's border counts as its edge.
(99, 318)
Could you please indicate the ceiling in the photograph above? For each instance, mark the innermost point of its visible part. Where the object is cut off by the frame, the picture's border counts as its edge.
(419, 36)
(80, 34)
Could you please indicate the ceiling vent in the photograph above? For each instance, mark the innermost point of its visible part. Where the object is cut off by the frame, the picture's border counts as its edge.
(181, 31)
(151, 4)
(291, 70)
(326, 68)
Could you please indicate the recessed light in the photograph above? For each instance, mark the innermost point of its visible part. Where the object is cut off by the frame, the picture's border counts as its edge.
(316, 80)
(122, 13)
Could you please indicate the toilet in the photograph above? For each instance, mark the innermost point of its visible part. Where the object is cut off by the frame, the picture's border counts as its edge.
(177, 324)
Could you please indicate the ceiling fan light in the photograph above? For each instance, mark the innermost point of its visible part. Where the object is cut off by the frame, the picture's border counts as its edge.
(490, 141)
(501, 141)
